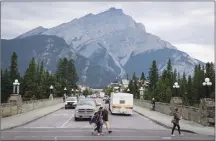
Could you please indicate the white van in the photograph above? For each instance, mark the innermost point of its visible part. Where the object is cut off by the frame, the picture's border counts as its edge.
(121, 103)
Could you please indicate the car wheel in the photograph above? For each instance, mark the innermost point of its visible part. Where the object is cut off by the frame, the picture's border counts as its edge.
(65, 107)
(76, 119)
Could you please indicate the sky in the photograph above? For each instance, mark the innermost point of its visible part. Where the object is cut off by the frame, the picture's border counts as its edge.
(187, 25)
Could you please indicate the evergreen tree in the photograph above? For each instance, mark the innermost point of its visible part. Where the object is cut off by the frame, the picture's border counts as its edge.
(30, 81)
(6, 86)
(153, 75)
(191, 95)
(143, 76)
(183, 89)
(13, 70)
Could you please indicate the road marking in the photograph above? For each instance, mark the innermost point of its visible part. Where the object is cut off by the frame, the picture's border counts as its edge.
(84, 129)
(67, 121)
(166, 138)
(25, 137)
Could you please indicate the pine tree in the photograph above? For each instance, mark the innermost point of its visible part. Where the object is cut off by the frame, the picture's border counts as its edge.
(153, 75)
(183, 89)
(13, 70)
(143, 76)
(6, 85)
(30, 81)
(191, 94)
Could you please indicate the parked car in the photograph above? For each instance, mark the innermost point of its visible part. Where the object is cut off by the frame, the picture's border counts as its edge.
(85, 109)
(70, 102)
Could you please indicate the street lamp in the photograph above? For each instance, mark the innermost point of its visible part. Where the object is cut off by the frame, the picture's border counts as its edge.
(51, 88)
(128, 90)
(65, 89)
(72, 91)
(16, 84)
(141, 92)
(207, 84)
(176, 86)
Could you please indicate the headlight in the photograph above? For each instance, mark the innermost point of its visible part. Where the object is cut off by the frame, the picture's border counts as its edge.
(77, 111)
(65, 103)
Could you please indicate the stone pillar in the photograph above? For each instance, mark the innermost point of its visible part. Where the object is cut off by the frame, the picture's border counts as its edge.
(51, 97)
(175, 102)
(207, 112)
(15, 99)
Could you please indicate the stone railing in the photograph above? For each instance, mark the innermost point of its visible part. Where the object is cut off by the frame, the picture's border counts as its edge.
(9, 109)
(187, 113)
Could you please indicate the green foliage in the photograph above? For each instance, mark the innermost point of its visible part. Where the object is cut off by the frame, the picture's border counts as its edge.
(191, 89)
(36, 82)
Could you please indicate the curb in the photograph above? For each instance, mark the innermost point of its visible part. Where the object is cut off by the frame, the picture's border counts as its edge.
(8, 128)
(164, 125)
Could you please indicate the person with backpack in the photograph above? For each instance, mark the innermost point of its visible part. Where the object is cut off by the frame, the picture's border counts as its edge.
(98, 120)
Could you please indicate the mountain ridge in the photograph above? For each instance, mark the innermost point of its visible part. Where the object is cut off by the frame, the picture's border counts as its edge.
(115, 44)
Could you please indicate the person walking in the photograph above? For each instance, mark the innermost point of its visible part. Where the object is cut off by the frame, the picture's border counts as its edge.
(175, 121)
(98, 120)
(153, 104)
(106, 119)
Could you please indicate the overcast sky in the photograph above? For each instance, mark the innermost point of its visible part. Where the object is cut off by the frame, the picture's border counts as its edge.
(187, 25)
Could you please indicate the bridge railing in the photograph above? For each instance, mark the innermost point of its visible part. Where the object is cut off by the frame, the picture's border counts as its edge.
(9, 109)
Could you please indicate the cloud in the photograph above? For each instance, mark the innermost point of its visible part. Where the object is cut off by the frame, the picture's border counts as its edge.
(181, 23)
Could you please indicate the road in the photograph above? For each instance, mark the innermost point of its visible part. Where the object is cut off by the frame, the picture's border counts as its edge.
(61, 126)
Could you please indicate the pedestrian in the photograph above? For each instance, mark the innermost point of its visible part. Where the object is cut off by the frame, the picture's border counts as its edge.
(106, 119)
(64, 98)
(175, 121)
(98, 121)
(153, 104)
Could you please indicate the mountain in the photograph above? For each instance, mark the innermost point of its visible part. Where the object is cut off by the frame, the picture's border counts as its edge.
(50, 49)
(32, 32)
(114, 45)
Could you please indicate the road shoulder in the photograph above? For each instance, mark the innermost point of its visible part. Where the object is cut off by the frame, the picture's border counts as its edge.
(165, 120)
(25, 118)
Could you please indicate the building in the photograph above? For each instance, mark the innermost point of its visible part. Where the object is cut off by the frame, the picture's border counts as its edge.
(124, 83)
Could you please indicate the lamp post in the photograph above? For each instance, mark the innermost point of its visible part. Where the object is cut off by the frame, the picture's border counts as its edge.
(51, 91)
(176, 86)
(65, 89)
(72, 92)
(128, 90)
(207, 84)
(141, 92)
(16, 84)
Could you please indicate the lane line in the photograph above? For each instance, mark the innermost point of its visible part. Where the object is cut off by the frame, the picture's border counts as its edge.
(64, 131)
(84, 136)
(67, 121)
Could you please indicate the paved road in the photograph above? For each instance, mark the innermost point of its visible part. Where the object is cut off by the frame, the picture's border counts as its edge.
(61, 126)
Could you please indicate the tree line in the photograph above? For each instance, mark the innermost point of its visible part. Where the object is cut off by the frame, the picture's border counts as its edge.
(36, 81)
(191, 87)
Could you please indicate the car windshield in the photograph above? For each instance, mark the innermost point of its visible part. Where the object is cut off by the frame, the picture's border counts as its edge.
(71, 99)
(86, 102)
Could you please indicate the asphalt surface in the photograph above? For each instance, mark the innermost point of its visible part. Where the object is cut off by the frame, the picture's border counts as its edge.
(62, 126)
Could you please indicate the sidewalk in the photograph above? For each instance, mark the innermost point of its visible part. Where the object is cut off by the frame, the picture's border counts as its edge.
(165, 120)
(24, 118)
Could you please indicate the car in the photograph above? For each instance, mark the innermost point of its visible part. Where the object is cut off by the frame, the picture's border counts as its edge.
(98, 102)
(70, 102)
(85, 109)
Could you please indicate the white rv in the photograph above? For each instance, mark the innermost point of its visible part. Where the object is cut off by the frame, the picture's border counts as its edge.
(121, 103)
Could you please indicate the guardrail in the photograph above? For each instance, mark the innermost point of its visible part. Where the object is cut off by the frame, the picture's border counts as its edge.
(9, 109)
(188, 113)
